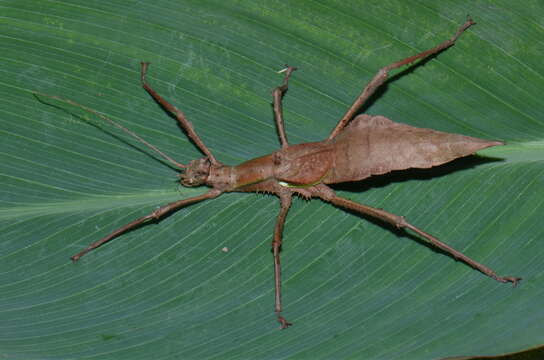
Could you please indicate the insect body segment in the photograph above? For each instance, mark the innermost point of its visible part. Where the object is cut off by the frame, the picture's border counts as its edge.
(356, 149)
(304, 164)
(375, 145)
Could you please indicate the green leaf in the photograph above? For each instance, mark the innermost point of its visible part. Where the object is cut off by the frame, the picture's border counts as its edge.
(353, 288)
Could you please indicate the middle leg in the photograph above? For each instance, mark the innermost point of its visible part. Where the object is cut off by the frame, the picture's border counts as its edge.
(277, 95)
(285, 200)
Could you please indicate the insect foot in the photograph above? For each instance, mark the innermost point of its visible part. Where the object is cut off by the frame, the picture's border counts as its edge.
(284, 323)
(506, 279)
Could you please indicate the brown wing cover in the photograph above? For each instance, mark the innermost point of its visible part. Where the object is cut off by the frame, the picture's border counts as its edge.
(303, 164)
(373, 145)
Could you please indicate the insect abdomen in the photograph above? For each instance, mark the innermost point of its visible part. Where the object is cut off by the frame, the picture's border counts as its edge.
(373, 145)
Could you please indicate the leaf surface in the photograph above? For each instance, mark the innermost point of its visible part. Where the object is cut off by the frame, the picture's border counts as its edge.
(353, 288)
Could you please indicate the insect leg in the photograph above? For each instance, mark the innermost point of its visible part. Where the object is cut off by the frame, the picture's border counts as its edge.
(155, 215)
(400, 222)
(277, 95)
(383, 73)
(276, 247)
(180, 116)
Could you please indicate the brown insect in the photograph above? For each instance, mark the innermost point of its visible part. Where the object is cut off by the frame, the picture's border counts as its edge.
(357, 148)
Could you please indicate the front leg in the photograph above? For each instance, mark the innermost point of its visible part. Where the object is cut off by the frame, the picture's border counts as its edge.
(285, 199)
(180, 116)
(153, 216)
(327, 194)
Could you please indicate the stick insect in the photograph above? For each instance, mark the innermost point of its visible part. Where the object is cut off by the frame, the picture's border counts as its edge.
(357, 148)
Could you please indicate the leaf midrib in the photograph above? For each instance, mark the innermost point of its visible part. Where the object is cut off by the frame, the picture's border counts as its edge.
(94, 202)
(522, 152)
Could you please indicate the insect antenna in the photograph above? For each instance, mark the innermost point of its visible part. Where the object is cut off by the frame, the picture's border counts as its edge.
(116, 124)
